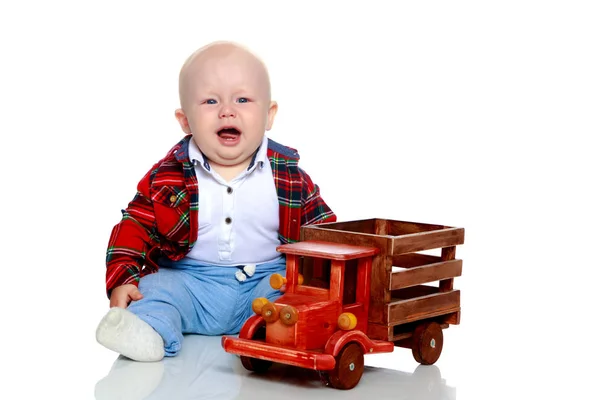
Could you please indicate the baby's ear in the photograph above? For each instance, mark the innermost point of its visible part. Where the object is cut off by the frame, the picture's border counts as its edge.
(273, 107)
(183, 121)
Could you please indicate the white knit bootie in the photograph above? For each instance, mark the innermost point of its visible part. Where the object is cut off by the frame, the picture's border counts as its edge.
(124, 332)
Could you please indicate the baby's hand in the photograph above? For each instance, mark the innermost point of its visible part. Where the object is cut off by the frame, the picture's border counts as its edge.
(122, 295)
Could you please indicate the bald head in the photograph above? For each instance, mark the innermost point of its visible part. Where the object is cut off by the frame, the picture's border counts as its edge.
(220, 61)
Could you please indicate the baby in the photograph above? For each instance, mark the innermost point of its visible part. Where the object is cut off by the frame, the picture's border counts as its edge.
(197, 243)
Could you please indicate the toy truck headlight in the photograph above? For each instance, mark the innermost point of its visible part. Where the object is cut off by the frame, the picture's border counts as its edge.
(258, 304)
(288, 315)
(347, 321)
(269, 312)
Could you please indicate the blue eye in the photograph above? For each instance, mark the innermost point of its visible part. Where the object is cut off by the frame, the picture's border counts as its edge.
(243, 100)
(211, 101)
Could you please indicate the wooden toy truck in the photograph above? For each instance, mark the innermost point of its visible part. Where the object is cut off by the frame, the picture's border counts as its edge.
(355, 288)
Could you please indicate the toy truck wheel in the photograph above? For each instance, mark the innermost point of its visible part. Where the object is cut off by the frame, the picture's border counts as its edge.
(427, 343)
(255, 364)
(349, 367)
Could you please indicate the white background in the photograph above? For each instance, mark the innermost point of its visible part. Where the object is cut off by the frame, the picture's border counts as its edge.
(466, 113)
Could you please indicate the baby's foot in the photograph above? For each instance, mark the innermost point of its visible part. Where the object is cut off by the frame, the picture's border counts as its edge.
(124, 332)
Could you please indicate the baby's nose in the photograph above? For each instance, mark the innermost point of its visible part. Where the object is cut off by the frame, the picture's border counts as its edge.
(227, 111)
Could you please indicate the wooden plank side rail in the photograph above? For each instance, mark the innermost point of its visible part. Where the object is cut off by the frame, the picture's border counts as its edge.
(414, 260)
(358, 226)
(397, 228)
(425, 273)
(428, 240)
(423, 307)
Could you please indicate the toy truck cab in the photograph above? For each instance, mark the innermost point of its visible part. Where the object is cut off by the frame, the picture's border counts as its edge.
(321, 325)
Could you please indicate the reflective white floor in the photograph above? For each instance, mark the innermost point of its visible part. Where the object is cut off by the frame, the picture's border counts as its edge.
(203, 370)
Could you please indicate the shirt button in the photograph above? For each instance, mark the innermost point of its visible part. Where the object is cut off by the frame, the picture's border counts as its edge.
(229, 190)
(172, 198)
(227, 220)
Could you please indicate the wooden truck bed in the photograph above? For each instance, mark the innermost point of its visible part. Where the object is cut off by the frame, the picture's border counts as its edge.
(407, 285)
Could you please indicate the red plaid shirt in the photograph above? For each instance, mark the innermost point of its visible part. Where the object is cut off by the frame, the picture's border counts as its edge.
(162, 218)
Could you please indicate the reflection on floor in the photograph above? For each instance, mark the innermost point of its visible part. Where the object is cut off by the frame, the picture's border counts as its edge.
(203, 370)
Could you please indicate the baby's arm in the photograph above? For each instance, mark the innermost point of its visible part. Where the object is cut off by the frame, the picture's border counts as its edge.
(130, 242)
(314, 208)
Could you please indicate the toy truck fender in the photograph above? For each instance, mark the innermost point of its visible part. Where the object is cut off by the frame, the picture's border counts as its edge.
(340, 339)
(253, 324)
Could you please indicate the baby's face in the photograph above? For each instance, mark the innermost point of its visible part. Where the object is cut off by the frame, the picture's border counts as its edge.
(226, 106)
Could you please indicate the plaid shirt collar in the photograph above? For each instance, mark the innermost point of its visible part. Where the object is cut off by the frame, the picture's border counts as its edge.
(195, 155)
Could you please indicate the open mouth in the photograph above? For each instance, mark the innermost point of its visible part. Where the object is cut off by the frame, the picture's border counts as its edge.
(229, 133)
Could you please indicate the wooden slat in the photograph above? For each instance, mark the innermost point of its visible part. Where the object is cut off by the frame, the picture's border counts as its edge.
(448, 253)
(381, 271)
(397, 228)
(426, 273)
(403, 311)
(414, 260)
(428, 240)
(361, 226)
(381, 227)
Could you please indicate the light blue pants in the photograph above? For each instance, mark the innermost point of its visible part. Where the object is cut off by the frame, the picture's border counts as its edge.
(189, 297)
